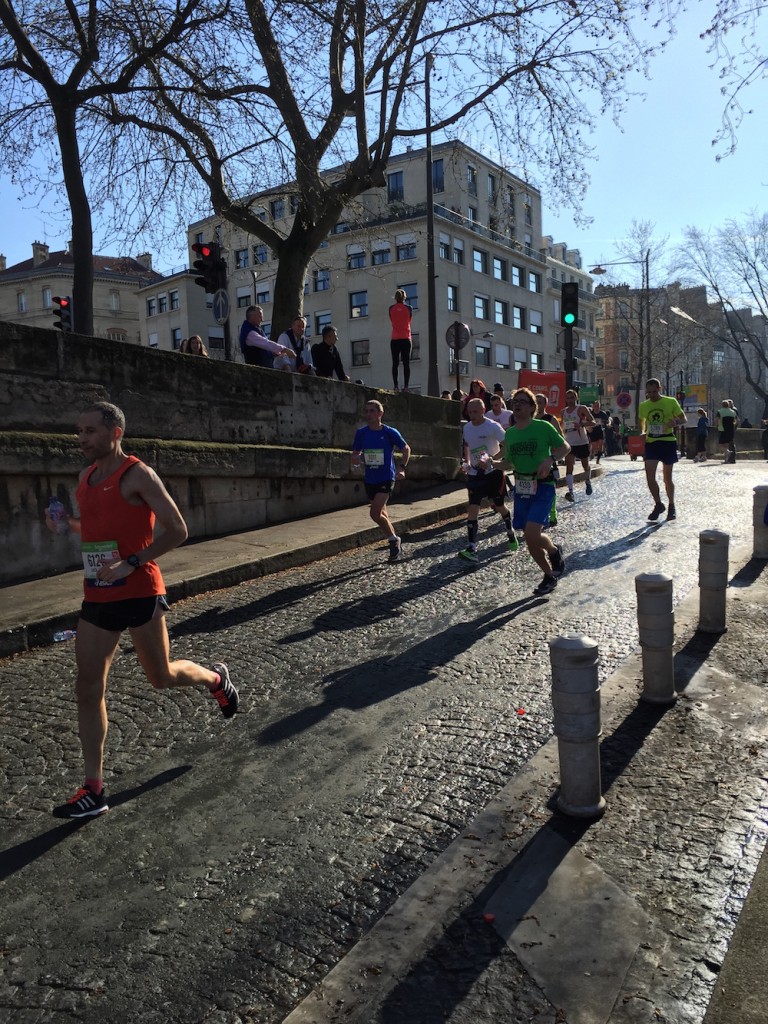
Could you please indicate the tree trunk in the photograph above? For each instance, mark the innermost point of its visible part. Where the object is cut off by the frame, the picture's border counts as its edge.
(82, 227)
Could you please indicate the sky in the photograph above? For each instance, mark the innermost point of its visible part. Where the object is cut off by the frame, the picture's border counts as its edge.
(660, 168)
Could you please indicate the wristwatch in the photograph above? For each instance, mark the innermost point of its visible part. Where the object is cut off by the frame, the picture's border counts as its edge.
(133, 561)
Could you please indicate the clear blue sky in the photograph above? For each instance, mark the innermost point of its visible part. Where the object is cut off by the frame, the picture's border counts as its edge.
(661, 168)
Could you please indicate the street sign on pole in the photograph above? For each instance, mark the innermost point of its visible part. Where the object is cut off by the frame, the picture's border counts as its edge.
(624, 400)
(221, 306)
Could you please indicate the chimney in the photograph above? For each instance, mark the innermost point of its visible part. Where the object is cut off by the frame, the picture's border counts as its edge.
(145, 259)
(2, 262)
(39, 253)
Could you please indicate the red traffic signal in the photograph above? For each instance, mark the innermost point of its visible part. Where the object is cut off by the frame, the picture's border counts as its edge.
(63, 314)
(211, 265)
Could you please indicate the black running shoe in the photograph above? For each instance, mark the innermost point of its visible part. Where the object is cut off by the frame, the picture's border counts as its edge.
(557, 560)
(546, 586)
(226, 695)
(657, 510)
(569, 496)
(395, 549)
(671, 512)
(84, 804)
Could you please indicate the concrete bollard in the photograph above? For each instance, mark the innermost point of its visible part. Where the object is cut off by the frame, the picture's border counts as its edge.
(656, 623)
(760, 501)
(576, 705)
(713, 580)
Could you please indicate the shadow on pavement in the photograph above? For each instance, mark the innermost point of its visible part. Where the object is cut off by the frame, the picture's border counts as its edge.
(749, 573)
(17, 857)
(615, 551)
(379, 679)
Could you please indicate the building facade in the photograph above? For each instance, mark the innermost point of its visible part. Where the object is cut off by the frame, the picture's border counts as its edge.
(27, 290)
(490, 271)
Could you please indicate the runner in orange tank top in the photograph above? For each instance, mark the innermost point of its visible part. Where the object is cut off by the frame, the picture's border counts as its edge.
(120, 501)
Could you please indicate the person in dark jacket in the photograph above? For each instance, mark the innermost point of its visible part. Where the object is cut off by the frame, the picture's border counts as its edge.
(326, 356)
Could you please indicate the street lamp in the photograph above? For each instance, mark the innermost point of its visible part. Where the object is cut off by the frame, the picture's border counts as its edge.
(644, 320)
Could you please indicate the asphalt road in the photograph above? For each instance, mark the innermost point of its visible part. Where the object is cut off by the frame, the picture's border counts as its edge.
(382, 707)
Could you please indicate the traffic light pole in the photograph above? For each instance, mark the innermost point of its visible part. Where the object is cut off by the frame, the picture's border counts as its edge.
(568, 357)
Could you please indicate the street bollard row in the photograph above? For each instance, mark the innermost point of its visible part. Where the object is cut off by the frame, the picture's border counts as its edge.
(574, 662)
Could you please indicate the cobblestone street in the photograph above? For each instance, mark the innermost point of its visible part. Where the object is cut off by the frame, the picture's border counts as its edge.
(382, 706)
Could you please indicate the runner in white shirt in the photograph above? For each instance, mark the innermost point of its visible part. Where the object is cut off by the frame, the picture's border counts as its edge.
(483, 438)
(499, 412)
(577, 421)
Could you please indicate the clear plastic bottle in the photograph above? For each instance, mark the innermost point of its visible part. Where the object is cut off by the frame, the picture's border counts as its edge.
(58, 515)
(64, 634)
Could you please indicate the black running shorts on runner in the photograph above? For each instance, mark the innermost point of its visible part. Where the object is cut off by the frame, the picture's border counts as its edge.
(580, 451)
(115, 616)
(491, 485)
(383, 488)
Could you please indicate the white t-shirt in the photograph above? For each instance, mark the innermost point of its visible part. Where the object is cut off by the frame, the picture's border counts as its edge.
(484, 439)
(575, 433)
(504, 417)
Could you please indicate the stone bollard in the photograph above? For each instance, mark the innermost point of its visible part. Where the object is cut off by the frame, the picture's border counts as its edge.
(656, 623)
(576, 704)
(760, 502)
(713, 580)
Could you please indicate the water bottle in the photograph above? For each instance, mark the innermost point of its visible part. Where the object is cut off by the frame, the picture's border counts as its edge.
(58, 515)
(64, 634)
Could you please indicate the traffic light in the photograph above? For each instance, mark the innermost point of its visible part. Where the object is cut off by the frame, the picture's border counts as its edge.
(569, 303)
(680, 396)
(63, 313)
(211, 265)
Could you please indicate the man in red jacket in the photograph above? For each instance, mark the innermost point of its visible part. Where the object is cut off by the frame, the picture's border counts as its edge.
(120, 498)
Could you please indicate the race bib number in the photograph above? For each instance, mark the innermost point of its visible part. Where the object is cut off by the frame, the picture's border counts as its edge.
(656, 429)
(525, 488)
(374, 457)
(95, 554)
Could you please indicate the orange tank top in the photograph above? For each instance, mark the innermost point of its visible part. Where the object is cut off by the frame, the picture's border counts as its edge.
(110, 527)
(400, 316)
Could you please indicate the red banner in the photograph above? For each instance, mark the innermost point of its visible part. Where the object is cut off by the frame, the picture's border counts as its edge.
(550, 383)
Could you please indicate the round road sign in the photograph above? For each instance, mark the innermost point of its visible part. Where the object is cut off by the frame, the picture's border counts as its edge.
(624, 400)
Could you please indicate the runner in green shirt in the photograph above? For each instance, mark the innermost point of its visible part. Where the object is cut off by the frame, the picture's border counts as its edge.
(659, 415)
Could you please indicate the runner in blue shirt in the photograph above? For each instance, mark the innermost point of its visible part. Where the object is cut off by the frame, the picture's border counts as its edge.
(374, 447)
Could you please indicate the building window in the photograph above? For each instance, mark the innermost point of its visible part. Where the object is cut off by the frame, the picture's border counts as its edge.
(438, 176)
(355, 257)
(483, 355)
(216, 338)
(518, 317)
(482, 307)
(492, 188)
(471, 180)
(21, 302)
(294, 200)
(458, 251)
(153, 339)
(444, 246)
(241, 259)
(116, 334)
(260, 254)
(453, 298)
(262, 298)
(516, 277)
(358, 304)
(623, 359)
(381, 255)
(472, 218)
(277, 209)
(406, 251)
(411, 294)
(480, 261)
(395, 193)
(361, 353)
(151, 307)
(321, 280)
(322, 320)
(501, 311)
(415, 347)
(199, 238)
(499, 268)
(528, 210)
(502, 357)
(162, 304)
(47, 298)
(521, 359)
(172, 295)
(534, 281)
(340, 228)
(536, 321)
(536, 361)
(176, 338)
(623, 334)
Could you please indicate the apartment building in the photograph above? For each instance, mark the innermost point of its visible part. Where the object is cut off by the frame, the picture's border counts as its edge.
(27, 290)
(173, 308)
(490, 271)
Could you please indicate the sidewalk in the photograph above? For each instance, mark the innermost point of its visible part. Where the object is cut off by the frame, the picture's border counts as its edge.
(529, 915)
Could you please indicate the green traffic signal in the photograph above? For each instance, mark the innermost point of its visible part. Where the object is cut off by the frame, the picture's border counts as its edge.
(569, 303)
(569, 319)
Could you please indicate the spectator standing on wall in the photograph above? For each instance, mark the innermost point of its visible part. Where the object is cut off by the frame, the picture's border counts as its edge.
(194, 346)
(296, 342)
(326, 356)
(256, 347)
(400, 316)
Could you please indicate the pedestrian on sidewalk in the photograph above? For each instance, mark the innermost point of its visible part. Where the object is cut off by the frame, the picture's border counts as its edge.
(374, 447)
(702, 431)
(532, 447)
(659, 416)
(482, 440)
(120, 499)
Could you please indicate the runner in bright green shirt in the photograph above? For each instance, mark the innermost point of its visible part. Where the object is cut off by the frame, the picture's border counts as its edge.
(659, 415)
